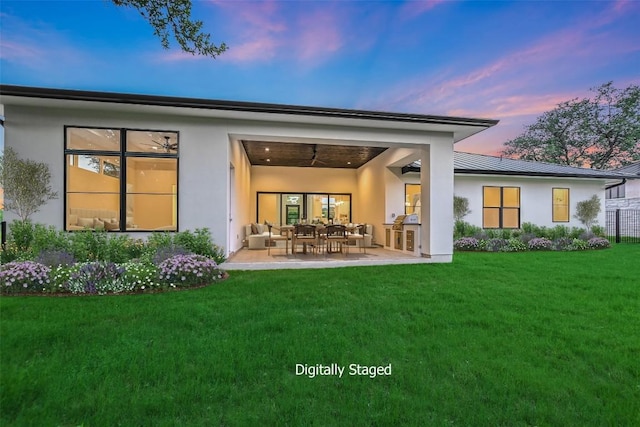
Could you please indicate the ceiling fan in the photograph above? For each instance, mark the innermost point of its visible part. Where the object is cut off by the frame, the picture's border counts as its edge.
(314, 158)
(166, 145)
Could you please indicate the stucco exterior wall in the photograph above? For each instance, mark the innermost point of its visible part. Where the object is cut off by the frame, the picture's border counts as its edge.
(536, 204)
(216, 184)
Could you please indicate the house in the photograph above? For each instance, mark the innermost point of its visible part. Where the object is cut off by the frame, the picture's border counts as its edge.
(505, 193)
(626, 194)
(138, 163)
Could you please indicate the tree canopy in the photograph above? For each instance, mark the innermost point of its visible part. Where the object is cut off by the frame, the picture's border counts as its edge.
(601, 132)
(173, 17)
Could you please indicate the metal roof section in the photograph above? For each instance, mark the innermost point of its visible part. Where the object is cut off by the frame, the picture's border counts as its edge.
(481, 164)
(462, 127)
(632, 169)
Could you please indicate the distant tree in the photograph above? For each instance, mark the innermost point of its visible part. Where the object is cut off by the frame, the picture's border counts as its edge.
(173, 17)
(460, 208)
(601, 133)
(26, 184)
(587, 211)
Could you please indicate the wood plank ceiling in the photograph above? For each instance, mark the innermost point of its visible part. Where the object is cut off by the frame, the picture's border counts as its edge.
(263, 153)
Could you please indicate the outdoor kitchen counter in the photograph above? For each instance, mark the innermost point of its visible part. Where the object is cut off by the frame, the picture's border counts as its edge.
(403, 238)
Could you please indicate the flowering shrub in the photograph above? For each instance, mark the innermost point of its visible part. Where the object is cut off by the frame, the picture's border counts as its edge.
(141, 276)
(59, 277)
(166, 252)
(466, 244)
(515, 245)
(188, 270)
(495, 245)
(540, 244)
(23, 276)
(562, 244)
(98, 278)
(55, 257)
(598, 243)
(578, 245)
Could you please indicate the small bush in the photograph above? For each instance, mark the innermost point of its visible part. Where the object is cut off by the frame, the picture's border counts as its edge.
(98, 278)
(495, 245)
(89, 245)
(562, 244)
(55, 257)
(466, 244)
(578, 245)
(587, 235)
(558, 232)
(598, 243)
(59, 277)
(540, 244)
(598, 230)
(165, 252)
(142, 277)
(199, 242)
(21, 234)
(515, 245)
(23, 276)
(188, 270)
(464, 229)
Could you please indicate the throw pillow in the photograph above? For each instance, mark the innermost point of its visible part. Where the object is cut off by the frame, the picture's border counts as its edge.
(97, 224)
(85, 222)
(254, 228)
(260, 228)
(111, 226)
(73, 219)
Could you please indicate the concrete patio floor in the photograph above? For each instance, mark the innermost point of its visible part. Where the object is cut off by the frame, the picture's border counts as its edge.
(246, 259)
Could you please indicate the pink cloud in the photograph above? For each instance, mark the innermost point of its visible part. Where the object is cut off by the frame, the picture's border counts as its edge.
(266, 31)
(16, 51)
(412, 9)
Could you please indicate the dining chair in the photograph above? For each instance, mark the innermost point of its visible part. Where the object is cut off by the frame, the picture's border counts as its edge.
(336, 235)
(306, 235)
(357, 236)
(277, 237)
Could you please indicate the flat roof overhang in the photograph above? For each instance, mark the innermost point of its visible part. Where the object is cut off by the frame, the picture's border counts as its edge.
(460, 127)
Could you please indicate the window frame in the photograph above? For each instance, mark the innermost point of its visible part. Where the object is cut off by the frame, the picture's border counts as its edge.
(501, 208)
(553, 204)
(304, 206)
(122, 154)
(407, 206)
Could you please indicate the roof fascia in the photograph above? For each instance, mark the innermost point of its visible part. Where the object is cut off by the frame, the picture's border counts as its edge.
(253, 107)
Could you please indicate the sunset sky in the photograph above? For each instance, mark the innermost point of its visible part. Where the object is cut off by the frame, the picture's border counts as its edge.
(502, 60)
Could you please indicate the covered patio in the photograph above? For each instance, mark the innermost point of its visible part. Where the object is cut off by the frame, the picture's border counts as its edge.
(246, 259)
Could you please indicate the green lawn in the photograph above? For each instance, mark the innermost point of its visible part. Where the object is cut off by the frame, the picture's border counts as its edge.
(513, 339)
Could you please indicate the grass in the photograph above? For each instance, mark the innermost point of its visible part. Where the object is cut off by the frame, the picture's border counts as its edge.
(517, 339)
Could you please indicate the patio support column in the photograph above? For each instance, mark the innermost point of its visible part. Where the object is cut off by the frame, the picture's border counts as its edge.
(436, 179)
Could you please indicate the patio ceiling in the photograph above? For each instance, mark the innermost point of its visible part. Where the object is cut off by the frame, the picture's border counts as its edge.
(264, 153)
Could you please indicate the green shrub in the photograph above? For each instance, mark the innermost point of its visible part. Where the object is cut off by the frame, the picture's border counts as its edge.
(558, 232)
(88, 245)
(578, 245)
(464, 229)
(21, 234)
(141, 276)
(598, 230)
(200, 243)
(515, 245)
(98, 278)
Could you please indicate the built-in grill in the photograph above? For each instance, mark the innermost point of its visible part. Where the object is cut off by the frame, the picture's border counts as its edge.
(398, 223)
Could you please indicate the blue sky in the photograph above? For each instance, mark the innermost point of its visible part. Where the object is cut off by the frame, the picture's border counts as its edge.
(502, 60)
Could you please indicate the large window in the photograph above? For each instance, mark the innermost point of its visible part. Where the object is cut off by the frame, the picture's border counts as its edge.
(121, 179)
(501, 207)
(411, 198)
(560, 204)
(292, 208)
